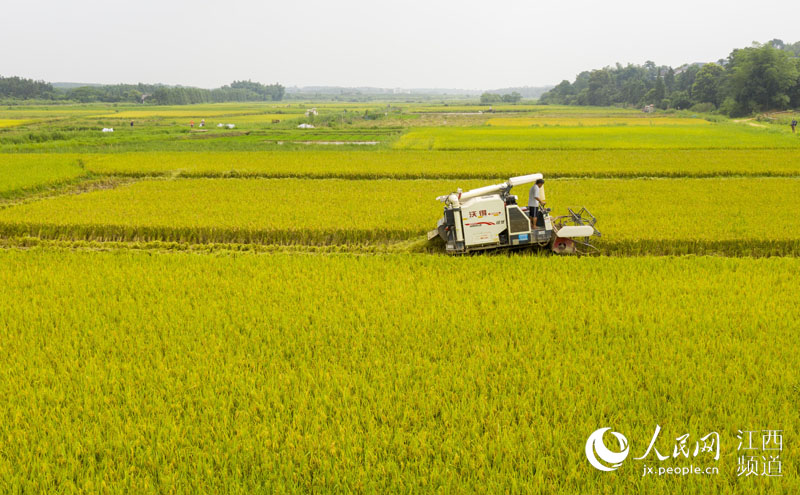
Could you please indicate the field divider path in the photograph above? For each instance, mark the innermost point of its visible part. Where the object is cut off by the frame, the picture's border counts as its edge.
(410, 245)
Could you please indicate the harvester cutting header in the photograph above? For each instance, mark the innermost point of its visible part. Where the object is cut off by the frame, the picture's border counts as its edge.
(489, 218)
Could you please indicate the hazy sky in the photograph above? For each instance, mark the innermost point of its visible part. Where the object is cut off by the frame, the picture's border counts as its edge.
(404, 43)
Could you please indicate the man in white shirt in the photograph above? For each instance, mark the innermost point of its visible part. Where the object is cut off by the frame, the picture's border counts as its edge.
(536, 201)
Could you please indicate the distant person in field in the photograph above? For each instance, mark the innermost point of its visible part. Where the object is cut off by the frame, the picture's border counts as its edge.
(794, 124)
(191, 124)
(203, 123)
(131, 123)
(536, 201)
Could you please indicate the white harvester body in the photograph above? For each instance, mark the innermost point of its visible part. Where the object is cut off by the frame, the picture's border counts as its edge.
(489, 218)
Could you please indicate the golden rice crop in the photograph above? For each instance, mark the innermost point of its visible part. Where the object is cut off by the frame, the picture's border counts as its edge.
(548, 110)
(591, 121)
(13, 122)
(715, 136)
(636, 216)
(153, 373)
(124, 368)
(403, 164)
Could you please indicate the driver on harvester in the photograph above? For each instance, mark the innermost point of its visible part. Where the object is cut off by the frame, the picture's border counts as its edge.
(536, 202)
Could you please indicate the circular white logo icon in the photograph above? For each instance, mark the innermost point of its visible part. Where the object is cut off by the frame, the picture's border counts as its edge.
(595, 448)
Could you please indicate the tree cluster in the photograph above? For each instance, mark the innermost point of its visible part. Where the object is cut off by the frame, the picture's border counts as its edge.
(489, 98)
(25, 89)
(181, 95)
(112, 93)
(754, 79)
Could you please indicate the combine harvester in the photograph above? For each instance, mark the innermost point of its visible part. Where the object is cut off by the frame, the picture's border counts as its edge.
(489, 218)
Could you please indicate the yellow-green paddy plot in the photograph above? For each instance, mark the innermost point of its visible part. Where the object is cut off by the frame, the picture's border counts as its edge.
(715, 136)
(175, 373)
(591, 121)
(201, 110)
(491, 165)
(261, 118)
(50, 112)
(14, 122)
(456, 108)
(21, 173)
(188, 112)
(660, 216)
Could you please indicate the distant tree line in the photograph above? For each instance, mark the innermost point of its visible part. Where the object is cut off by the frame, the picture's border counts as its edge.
(524, 91)
(17, 88)
(25, 89)
(489, 98)
(236, 91)
(754, 79)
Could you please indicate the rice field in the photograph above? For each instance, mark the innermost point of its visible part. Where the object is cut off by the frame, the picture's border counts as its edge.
(115, 376)
(13, 122)
(717, 136)
(261, 118)
(490, 165)
(26, 173)
(591, 121)
(642, 217)
(552, 110)
(215, 312)
(50, 112)
(194, 113)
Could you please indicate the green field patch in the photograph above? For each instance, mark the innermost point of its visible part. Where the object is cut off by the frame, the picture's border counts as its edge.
(190, 112)
(51, 111)
(716, 136)
(181, 137)
(25, 173)
(660, 216)
(260, 118)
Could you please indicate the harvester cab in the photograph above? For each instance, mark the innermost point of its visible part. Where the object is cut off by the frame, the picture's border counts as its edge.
(490, 218)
